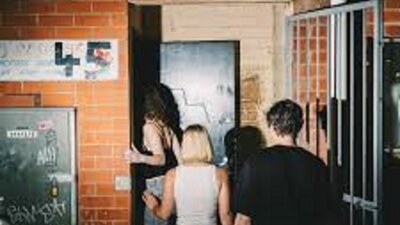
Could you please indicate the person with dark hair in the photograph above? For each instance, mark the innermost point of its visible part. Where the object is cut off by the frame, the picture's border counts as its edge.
(160, 151)
(282, 184)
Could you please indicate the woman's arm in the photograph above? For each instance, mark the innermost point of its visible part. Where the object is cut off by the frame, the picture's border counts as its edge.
(152, 140)
(163, 210)
(223, 198)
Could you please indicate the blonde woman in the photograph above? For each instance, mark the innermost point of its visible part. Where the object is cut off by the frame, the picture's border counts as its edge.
(197, 189)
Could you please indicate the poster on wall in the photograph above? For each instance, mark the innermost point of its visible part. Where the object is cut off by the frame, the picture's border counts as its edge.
(45, 60)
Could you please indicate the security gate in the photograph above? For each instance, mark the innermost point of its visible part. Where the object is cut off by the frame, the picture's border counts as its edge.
(334, 69)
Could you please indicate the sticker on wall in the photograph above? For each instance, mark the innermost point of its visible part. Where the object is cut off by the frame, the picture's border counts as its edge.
(41, 60)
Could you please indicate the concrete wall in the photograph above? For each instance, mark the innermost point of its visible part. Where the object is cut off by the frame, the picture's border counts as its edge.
(260, 29)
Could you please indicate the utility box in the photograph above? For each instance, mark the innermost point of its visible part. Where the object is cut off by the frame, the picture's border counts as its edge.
(37, 165)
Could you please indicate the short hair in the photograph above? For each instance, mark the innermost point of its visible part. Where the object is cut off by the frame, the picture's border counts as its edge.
(286, 118)
(196, 145)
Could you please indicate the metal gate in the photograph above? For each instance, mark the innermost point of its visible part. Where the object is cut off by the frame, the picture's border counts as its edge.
(334, 69)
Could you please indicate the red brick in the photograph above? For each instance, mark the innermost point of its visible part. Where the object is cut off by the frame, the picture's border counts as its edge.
(57, 87)
(58, 100)
(94, 111)
(87, 189)
(113, 98)
(391, 16)
(120, 33)
(121, 124)
(392, 4)
(96, 176)
(10, 87)
(37, 7)
(38, 33)
(73, 7)
(96, 124)
(18, 20)
(122, 201)
(105, 189)
(88, 214)
(86, 162)
(115, 214)
(97, 150)
(110, 6)
(92, 20)
(392, 30)
(119, 20)
(17, 101)
(79, 33)
(9, 33)
(86, 99)
(56, 20)
(97, 202)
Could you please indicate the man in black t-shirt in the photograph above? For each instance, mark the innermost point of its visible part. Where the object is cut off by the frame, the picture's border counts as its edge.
(282, 184)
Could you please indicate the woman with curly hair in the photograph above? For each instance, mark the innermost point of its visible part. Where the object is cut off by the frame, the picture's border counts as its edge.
(161, 149)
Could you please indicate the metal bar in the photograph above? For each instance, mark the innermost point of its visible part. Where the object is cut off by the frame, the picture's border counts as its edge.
(317, 39)
(351, 115)
(338, 82)
(328, 99)
(308, 66)
(377, 132)
(334, 10)
(288, 56)
(343, 56)
(364, 111)
(298, 61)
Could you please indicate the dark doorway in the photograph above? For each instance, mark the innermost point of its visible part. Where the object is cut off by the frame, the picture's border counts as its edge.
(203, 77)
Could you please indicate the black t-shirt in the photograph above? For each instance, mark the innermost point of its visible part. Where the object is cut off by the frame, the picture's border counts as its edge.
(283, 185)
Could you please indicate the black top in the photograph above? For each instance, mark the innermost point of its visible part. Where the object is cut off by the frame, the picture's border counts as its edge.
(151, 171)
(283, 185)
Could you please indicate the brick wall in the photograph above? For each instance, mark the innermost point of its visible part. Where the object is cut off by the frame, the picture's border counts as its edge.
(102, 106)
(391, 18)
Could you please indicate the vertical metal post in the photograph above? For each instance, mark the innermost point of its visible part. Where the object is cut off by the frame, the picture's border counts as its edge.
(377, 123)
(288, 57)
(351, 102)
(328, 97)
(317, 39)
(308, 69)
(364, 111)
(298, 61)
(338, 76)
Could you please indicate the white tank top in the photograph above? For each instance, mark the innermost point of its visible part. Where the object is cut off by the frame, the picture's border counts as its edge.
(196, 195)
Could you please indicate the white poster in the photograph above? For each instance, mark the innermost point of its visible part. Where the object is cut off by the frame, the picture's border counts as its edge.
(43, 60)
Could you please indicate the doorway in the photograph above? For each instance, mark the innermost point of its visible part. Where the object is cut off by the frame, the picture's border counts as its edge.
(203, 77)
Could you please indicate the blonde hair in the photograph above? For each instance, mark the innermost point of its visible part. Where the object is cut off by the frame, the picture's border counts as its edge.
(196, 145)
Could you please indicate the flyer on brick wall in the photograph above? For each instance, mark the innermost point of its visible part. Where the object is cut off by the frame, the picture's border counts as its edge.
(43, 60)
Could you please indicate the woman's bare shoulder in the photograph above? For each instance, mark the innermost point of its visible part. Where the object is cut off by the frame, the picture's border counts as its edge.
(150, 128)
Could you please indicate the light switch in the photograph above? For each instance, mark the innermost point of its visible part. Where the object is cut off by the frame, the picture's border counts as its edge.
(122, 183)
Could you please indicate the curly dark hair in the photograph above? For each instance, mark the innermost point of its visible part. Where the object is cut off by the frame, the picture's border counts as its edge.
(159, 103)
(286, 118)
